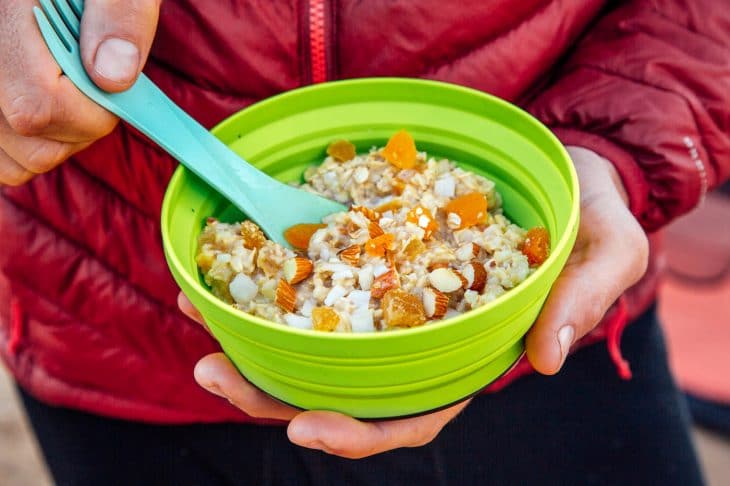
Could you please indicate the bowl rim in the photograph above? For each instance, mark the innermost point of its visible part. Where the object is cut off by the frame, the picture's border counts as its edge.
(434, 327)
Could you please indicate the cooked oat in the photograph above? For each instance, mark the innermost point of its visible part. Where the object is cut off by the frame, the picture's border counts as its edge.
(394, 260)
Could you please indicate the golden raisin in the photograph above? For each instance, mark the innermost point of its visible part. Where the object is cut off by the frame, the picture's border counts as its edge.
(299, 235)
(470, 208)
(401, 150)
(414, 248)
(379, 245)
(536, 246)
(401, 309)
(423, 218)
(341, 150)
(324, 319)
(253, 237)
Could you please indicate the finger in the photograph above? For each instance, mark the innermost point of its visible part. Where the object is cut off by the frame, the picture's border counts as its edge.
(188, 309)
(347, 437)
(35, 154)
(12, 173)
(116, 36)
(35, 99)
(609, 257)
(217, 374)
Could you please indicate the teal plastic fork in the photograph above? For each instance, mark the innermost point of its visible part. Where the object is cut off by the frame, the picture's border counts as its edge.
(147, 108)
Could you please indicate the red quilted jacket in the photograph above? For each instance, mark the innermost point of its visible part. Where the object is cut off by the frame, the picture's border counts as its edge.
(88, 317)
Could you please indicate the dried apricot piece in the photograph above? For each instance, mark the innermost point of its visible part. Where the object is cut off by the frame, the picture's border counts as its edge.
(423, 218)
(341, 150)
(401, 309)
(392, 205)
(324, 319)
(470, 209)
(299, 235)
(369, 213)
(536, 246)
(401, 150)
(253, 237)
(379, 245)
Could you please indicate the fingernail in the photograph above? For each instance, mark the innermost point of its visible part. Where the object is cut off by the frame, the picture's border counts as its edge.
(565, 339)
(117, 60)
(302, 432)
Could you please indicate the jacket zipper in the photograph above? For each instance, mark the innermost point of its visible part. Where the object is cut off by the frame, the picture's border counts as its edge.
(317, 38)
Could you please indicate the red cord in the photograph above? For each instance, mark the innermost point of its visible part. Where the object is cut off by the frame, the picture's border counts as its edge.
(614, 328)
(16, 326)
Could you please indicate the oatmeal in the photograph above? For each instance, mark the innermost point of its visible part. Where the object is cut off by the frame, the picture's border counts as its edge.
(423, 240)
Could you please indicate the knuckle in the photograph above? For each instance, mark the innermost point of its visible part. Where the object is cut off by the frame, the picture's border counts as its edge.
(44, 156)
(29, 114)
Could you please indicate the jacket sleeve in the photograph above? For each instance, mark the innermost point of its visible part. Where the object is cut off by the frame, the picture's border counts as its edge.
(648, 87)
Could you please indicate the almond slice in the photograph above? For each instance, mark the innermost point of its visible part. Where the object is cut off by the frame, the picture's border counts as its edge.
(350, 255)
(436, 265)
(446, 280)
(286, 296)
(374, 230)
(475, 275)
(297, 269)
(467, 252)
(385, 282)
(371, 214)
(434, 303)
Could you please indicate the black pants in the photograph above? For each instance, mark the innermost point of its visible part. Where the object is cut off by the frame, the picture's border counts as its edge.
(583, 426)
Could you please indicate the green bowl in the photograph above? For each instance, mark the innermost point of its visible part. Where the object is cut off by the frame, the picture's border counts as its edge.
(402, 372)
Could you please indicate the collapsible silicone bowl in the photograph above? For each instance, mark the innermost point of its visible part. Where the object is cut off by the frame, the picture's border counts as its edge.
(401, 372)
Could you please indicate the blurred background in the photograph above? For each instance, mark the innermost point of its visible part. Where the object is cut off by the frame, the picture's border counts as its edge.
(695, 310)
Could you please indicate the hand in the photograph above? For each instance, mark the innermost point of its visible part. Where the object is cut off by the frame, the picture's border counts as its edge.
(610, 254)
(328, 431)
(44, 119)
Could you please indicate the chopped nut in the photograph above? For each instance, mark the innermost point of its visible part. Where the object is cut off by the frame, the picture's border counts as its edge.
(325, 319)
(242, 288)
(365, 277)
(253, 237)
(297, 269)
(435, 303)
(385, 282)
(374, 230)
(371, 214)
(475, 275)
(401, 309)
(350, 255)
(467, 252)
(286, 296)
(446, 280)
(436, 265)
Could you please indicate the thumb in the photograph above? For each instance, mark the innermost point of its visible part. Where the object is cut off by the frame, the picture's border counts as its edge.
(116, 36)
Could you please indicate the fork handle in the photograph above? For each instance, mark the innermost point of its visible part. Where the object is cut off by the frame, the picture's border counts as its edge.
(149, 110)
